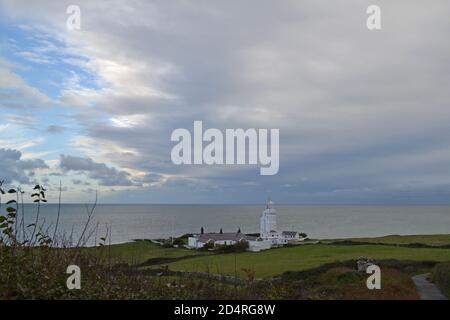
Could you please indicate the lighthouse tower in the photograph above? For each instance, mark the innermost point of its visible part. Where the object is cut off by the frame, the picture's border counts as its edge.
(268, 222)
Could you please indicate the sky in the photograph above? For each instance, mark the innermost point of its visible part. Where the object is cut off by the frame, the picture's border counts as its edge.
(363, 114)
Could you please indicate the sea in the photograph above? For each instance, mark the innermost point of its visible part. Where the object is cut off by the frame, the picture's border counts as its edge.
(129, 222)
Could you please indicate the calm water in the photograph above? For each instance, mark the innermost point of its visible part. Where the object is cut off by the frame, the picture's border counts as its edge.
(154, 221)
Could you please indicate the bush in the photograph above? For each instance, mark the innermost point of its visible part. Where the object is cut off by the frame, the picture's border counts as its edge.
(441, 276)
(340, 276)
(237, 247)
(207, 246)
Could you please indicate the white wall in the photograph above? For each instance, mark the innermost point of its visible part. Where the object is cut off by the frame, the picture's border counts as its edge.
(224, 242)
(192, 242)
(256, 246)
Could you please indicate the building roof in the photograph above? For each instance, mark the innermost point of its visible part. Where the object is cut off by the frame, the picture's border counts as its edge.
(289, 233)
(234, 236)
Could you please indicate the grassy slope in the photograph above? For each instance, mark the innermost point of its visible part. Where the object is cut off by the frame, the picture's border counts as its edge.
(140, 251)
(347, 283)
(437, 240)
(276, 261)
(441, 276)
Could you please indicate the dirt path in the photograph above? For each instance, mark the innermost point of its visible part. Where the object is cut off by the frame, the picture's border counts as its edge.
(426, 289)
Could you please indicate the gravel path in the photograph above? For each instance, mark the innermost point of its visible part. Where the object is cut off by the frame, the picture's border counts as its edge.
(426, 289)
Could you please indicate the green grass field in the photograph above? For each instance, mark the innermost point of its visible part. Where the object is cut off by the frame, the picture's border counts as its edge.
(434, 240)
(140, 251)
(276, 261)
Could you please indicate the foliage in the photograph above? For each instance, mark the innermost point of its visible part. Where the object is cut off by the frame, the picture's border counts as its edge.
(441, 276)
(208, 246)
(240, 246)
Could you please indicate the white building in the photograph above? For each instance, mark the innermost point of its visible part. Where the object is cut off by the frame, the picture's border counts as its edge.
(268, 226)
(229, 238)
(269, 231)
(269, 236)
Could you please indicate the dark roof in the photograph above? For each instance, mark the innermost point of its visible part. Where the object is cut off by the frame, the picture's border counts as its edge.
(234, 236)
(290, 233)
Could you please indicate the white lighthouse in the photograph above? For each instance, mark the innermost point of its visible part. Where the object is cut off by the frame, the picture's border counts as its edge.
(268, 227)
(269, 232)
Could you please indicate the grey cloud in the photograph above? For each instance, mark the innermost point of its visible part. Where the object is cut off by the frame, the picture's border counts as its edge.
(56, 174)
(55, 129)
(14, 169)
(357, 110)
(106, 176)
(151, 178)
(80, 182)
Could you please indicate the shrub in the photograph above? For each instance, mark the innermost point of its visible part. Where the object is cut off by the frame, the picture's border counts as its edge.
(240, 246)
(207, 246)
(340, 276)
(441, 276)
